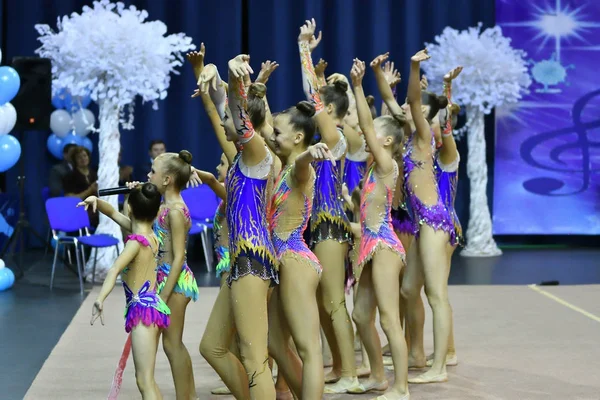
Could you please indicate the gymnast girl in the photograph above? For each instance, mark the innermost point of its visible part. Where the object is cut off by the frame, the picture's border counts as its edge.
(381, 255)
(299, 268)
(146, 314)
(330, 231)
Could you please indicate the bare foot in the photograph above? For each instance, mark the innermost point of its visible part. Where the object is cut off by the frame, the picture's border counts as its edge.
(451, 360)
(430, 377)
(369, 385)
(363, 371)
(342, 385)
(332, 377)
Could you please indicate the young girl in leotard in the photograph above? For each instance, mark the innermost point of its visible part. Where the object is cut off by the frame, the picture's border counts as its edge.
(381, 255)
(177, 285)
(146, 314)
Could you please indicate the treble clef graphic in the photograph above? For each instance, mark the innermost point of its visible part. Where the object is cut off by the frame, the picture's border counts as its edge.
(546, 186)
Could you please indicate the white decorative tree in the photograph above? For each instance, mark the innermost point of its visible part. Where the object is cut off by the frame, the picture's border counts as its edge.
(113, 53)
(494, 74)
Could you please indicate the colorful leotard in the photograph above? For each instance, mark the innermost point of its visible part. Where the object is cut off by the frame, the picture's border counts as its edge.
(435, 215)
(328, 218)
(355, 166)
(186, 283)
(288, 221)
(221, 240)
(375, 215)
(447, 178)
(250, 246)
(145, 306)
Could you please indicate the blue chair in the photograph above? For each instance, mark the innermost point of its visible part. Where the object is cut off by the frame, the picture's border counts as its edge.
(202, 203)
(45, 197)
(65, 216)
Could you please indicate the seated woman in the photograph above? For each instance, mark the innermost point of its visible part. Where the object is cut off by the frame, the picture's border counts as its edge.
(81, 182)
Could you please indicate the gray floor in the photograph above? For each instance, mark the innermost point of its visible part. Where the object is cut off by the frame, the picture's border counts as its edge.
(32, 318)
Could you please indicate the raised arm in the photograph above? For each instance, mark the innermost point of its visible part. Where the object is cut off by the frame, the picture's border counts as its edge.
(266, 69)
(106, 209)
(125, 258)
(351, 128)
(254, 145)
(393, 78)
(213, 183)
(210, 84)
(327, 128)
(384, 161)
(414, 96)
(383, 86)
(448, 153)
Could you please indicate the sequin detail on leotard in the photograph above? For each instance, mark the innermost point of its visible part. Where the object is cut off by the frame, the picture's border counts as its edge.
(355, 167)
(447, 178)
(328, 219)
(377, 231)
(221, 240)
(287, 235)
(435, 215)
(186, 282)
(250, 246)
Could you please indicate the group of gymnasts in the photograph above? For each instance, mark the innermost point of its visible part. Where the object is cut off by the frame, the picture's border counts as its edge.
(318, 199)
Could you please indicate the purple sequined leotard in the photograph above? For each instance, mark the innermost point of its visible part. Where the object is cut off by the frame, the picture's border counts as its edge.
(328, 219)
(250, 246)
(447, 178)
(355, 167)
(288, 221)
(435, 215)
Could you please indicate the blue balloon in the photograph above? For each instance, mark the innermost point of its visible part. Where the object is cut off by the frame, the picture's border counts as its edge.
(87, 143)
(58, 101)
(9, 84)
(72, 138)
(7, 278)
(10, 151)
(84, 100)
(55, 145)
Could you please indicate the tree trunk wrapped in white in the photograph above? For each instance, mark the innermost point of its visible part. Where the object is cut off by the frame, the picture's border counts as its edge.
(114, 54)
(494, 74)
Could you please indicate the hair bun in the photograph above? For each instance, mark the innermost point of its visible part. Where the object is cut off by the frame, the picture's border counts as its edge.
(341, 86)
(186, 156)
(442, 101)
(306, 108)
(258, 90)
(149, 190)
(370, 100)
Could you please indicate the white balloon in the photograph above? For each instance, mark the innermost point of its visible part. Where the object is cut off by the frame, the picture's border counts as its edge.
(8, 118)
(60, 123)
(83, 120)
(2, 265)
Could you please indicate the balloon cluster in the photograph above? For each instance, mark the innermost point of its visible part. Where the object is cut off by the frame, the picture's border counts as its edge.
(7, 278)
(71, 122)
(10, 148)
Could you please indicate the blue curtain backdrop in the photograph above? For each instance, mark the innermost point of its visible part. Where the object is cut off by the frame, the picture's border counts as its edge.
(180, 121)
(266, 29)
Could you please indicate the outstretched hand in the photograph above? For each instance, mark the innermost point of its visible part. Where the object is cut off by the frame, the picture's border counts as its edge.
(90, 201)
(239, 66)
(207, 79)
(314, 41)
(422, 55)
(194, 180)
(196, 58)
(333, 78)
(307, 33)
(321, 152)
(391, 74)
(450, 76)
(376, 63)
(320, 67)
(424, 82)
(133, 185)
(357, 72)
(97, 312)
(266, 69)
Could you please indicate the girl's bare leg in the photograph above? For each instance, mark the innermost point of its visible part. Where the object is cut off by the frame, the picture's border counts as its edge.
(412, 283)
(327, 357)
(249, 305)
(364, 314)
(298, 285)
(335, 319)
(435, 267)
(216, 345)
(177, 353)
(386, 269)
(144, 344)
